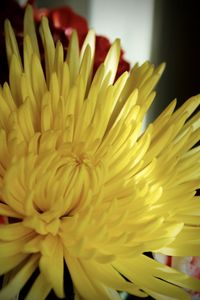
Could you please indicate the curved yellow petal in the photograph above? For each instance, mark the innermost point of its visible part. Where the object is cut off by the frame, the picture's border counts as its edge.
(40, 288)
(52, 255)
(17, 282)
(88, 287)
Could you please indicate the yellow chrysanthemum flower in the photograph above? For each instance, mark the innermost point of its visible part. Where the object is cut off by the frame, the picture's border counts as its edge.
(82, 186)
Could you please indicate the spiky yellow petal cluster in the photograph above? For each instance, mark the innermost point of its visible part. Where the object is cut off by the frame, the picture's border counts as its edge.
(80, 182)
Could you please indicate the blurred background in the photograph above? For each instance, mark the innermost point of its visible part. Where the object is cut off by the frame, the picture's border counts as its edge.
(155, 30)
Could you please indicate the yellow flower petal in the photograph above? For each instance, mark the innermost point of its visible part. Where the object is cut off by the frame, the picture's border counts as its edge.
(10, 262)
(88, 287)
(52, 255)
(40, 288)
(151, 280)
(111, 62)
(109, 276)
(9, 232)
(21, 277)
(73, 59)
(49, 48)
(11, 44)
(29, 29)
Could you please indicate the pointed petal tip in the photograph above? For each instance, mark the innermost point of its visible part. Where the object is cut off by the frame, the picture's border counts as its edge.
(92, 31)
(196, 98)
(28, 9)
(117, 42)
(161, 68)
(117, 45)
(44, 21)
(28, 15)
(7, 23)
(73, 40)
(7, 28)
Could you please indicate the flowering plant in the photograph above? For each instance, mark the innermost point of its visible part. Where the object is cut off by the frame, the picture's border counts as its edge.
(81, 187)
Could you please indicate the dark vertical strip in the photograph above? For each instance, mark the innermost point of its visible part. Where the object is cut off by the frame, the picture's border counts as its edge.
(176, 41)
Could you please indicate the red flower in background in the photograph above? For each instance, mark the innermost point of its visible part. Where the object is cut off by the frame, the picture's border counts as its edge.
(62, 21)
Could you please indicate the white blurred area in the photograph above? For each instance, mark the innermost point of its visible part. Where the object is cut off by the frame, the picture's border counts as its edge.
(129, 20)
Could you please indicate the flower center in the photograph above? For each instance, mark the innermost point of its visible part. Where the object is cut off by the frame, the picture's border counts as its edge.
(43, 225)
